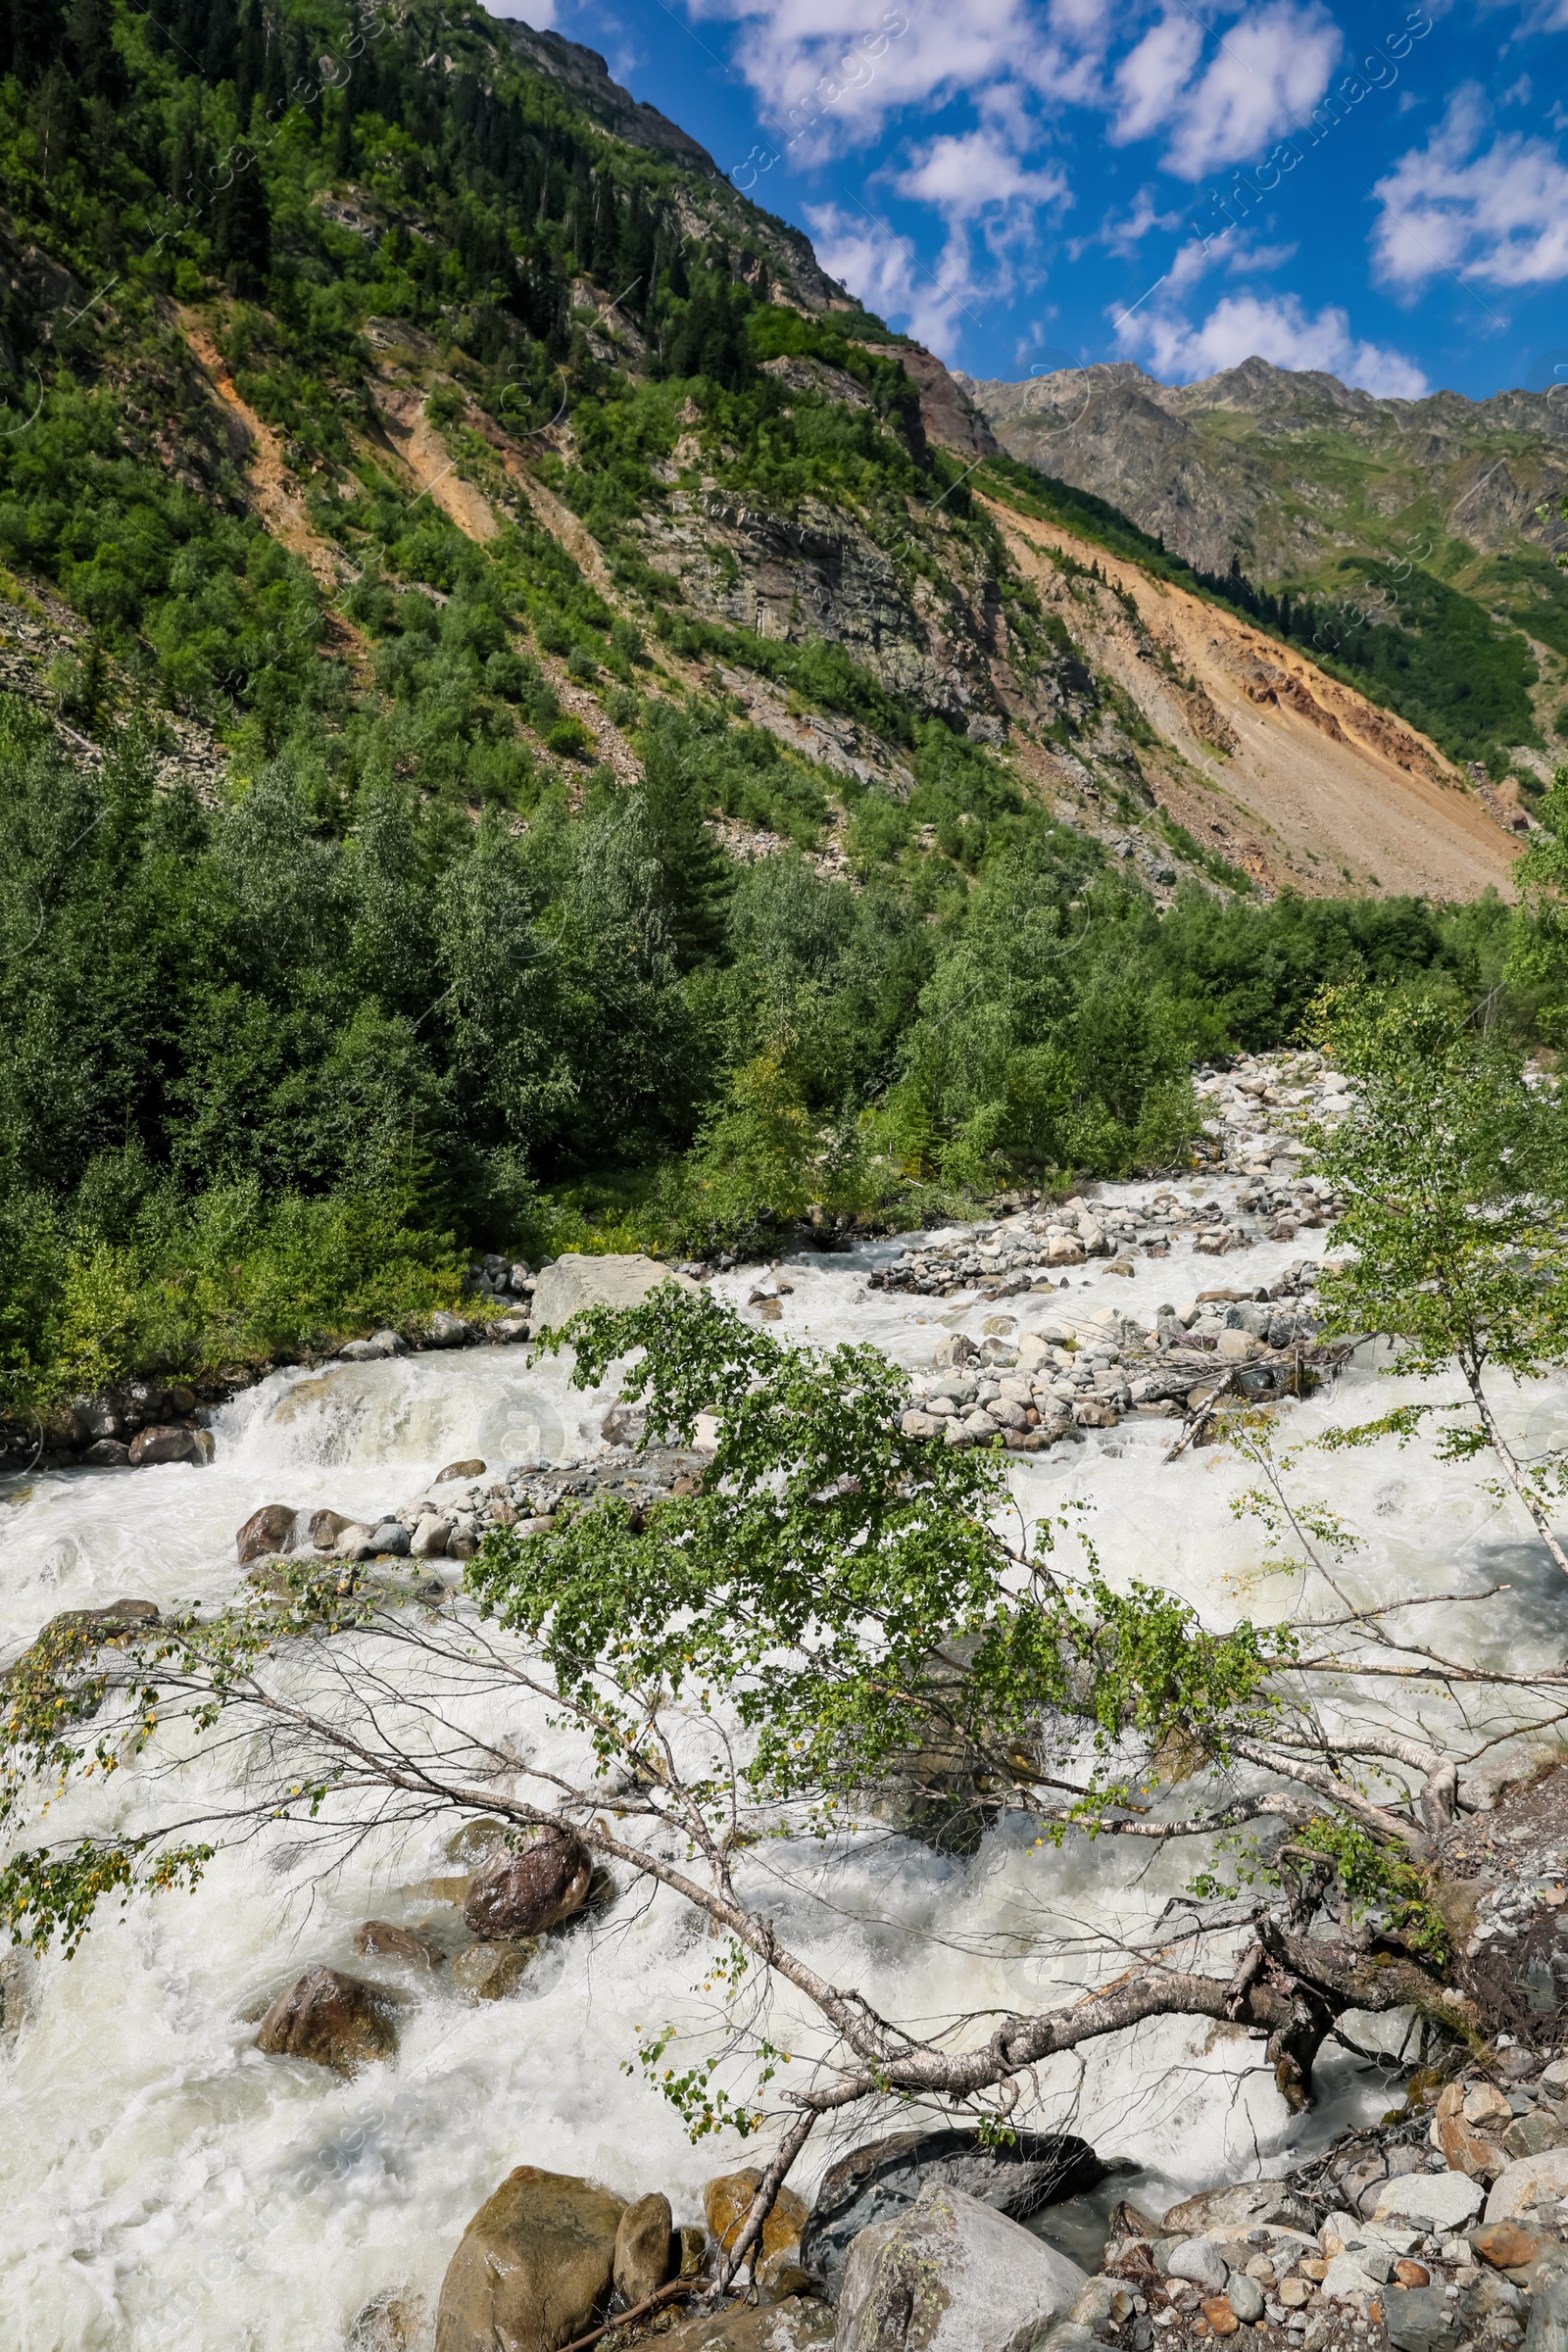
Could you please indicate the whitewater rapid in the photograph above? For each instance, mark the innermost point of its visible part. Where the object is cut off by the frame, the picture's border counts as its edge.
(164, 2186)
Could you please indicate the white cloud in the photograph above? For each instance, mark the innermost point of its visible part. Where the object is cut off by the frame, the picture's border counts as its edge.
(1276, 328)
(1269, 70)
(1499, 211)
(888, 275)
(973, 173)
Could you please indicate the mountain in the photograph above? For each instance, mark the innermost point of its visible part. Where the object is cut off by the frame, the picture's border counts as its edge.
(1417, 512)
(528, 716)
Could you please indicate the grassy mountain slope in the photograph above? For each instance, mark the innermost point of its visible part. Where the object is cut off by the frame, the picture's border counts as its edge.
(517, 730)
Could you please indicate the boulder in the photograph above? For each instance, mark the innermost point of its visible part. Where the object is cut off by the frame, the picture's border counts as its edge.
(331, 2019)
(525, 1891)
(1245, 2297)
(389, 1535)
(169, 1442)
(1440, 2202)
(727, 2201)
(798, 2324)
(951, 2276)
(1244, 2205)
(1548, 2330)
(576, 1282)
(325, 1528)
(268, 1529)
(106, 1453)
(1199, 2260)
(476, 1841)
(533, 2267)
(111, 1623)
(883, 2179)
(488, 1972)
(446, 1330)
(644, 2237)
(472, 1468)
(353, 1541)
(429, 1539)
(1516, 2184)
(397, 2320)
(380, 1938)
(1419, 2318)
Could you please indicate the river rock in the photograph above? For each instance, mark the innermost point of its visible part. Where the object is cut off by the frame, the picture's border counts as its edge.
(1244, 2205)
(112, 1623)
(884, 2177)
(429, 1539)
(18, 1990)
(951, 2276)
(523, 1892)
(331, 2019)
(576, 1282)
(533, 2265)
(1442, 2201)
(397, 2320)
(323, 1529)
(386, 1941)
(1517, 2184)
(1419, 2318)
(727, 2201)
(488, 1972)
(1244, 2296)
(268, 1529)
(389, 1537)
(168, 1443)
(643, 2242)
(476, 1841)
(471, 1468)
(1201, 2261)
(106, 1453)
(446, 1330)
(1548, 2330)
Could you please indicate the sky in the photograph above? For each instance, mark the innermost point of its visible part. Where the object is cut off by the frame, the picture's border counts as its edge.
(1027, 185)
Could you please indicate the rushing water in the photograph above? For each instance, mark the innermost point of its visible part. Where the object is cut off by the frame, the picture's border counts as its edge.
(166, 2186)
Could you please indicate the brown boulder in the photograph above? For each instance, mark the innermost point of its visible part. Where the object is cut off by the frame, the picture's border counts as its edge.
(727, 2201)
(1504, 2245)
(643, 2242)
(325, 1527)
(798, 2324)
(331, 2019)
(1466, 2150)
(488, 1972)
(469, 1469)
(109, 1624)
(167, 1442)
(106, 1453)
(533, 2268)
(522, 1893)
(378, 1936)
(268, 1529)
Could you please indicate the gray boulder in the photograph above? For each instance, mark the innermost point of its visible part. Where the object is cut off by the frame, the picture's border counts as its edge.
(1548, 2330)
(883, 2179)
(575, 1282)
(951, 2276)
(1201, 2261)
(643, 2242)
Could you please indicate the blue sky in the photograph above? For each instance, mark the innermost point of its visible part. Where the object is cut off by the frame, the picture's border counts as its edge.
(1025, 184)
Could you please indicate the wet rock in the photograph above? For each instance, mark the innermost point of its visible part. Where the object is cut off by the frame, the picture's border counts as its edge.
(644, 2237)
(472, 1468)
(429, 1539)
(727, 2201)
(389, 1537)
(331, 2019)
(1440, 2201)
(353, 1541)
(1199, 2260)
(576, 1282)
(883, 2179)
(533, 2267)
(395, 2321)
(325, 1527)
(951, 2275)
(268, 1529)
(488, 1972)
(385, 1941)
(168, 1443)
(624, 1424)
(523, 1892)
(18, 1990)
(475, 1841)
(106, 1453)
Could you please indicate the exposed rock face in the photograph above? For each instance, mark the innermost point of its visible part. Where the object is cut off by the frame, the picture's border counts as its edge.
(644, 2237)
(533, 2267)
(576, 1282)
(883, 2180)
(523, 1894)
(268, 1529)
(951, 2276)
(947, 410)
(332, 2019)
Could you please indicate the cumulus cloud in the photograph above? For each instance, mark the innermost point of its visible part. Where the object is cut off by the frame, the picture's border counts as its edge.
(887, 273)
(1499, 210)
(1269, 70)
(1276, 328)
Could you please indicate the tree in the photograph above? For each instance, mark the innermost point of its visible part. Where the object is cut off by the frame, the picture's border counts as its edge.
(1454, 1169)
(837, 1616)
